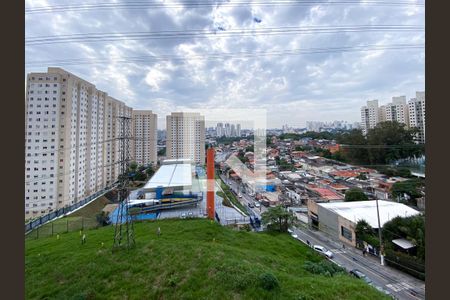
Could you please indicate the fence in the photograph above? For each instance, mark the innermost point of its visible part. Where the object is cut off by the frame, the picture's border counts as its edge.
(63, 211)
(62, 226)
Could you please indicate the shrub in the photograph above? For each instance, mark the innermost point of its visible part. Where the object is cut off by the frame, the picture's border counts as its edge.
(323, 267)
(268, 281)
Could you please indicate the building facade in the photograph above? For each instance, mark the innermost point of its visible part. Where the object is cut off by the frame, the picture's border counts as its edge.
(369, 116)
(70, 151)
(186, 136)
(144, 132)
(397, 110)
(416, 108)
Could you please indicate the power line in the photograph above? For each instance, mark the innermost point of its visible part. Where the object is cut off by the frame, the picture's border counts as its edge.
(190, 4)
(153, 58)
(240, 32)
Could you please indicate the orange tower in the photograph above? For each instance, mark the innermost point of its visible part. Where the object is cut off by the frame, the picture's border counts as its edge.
(210, 194)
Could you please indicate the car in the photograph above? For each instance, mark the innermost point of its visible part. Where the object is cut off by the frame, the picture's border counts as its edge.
(183, 215)
(257, 204)
(251, 205)
(290, 230)
(294, 235)
(190, 214)
(358, 274)
(240, 196)
(324, 251)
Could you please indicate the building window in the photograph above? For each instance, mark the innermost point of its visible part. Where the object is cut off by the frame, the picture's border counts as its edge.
(346, 233)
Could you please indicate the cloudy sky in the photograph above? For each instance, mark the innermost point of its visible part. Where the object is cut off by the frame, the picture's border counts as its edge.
(241, 55)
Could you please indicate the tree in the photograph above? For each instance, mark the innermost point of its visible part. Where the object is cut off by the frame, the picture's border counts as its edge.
(353, 145)
(277, 218)
(363, 229)
(393, 141)
(410, 187)
(150, 171)
(355, 194)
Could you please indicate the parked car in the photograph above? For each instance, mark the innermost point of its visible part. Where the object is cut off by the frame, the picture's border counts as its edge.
(257, 204)
(290, 230)
(358, 274)
(183, 215)
(251, 205)
(294, 235)
(190, 214)
(323, 250)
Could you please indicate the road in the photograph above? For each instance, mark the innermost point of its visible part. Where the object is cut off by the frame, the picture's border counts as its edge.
(397, 283)
(246, 199)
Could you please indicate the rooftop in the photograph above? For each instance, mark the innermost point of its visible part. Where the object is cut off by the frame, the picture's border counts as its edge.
(175, 174)
(367, 210)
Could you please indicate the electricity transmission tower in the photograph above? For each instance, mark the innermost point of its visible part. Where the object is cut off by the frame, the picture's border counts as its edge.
(123, 231)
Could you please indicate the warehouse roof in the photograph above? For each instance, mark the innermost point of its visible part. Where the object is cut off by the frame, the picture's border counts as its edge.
(367, 210)
(171, 175)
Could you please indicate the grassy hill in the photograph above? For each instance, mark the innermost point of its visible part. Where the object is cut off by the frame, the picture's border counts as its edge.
(192, 259)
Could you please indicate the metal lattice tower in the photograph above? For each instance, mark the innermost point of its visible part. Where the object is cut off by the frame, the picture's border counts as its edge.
(124, 231)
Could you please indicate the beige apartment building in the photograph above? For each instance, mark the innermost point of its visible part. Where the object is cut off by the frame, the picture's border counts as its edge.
(397, 110)
(186, 136)
(369, 116)
(70, 146)
(417, 115)
(144, 142)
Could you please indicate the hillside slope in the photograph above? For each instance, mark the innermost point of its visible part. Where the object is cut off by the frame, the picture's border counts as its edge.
(192, 259)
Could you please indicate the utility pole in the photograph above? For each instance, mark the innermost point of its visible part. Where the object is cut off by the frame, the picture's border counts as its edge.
(379, 235)
(123, 231)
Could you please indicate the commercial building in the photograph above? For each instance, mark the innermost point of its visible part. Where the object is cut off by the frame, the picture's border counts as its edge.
(340, 218)
(369, 115)
(417, 115)
(69, 140)
(144, 132)
(186, 136)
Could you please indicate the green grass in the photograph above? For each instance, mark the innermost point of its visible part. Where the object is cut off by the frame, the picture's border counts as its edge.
(231, 197)
(192, 259)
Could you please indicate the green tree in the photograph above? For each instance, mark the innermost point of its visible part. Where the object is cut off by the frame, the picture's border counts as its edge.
(277, 218)
(410, 187)
(363, 229)
(392, 141)
(353, 144)
(355, 194)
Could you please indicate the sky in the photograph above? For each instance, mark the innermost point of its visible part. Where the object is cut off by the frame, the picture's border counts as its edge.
(208, 70)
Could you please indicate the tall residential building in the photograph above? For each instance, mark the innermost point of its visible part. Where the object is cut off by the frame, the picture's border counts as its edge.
(417, 115)
(227, 130)
(369, 115)
(144, 132)
(382, 113)
(186, 136)
(398, 110)
(220, 130)
(238, 130)
(69, 146)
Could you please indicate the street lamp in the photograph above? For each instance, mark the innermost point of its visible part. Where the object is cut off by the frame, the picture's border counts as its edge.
(379, 235)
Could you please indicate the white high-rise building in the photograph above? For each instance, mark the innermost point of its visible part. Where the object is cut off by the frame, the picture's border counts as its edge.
(186, 136)
(220, 131)
(369, 115)
(70, 149)
(417, 115)
(144, 132)
(238, 130)
(398, 110)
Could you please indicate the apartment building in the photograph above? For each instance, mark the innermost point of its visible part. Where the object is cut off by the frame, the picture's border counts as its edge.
(397, 110)
(186, 136)
(69, 151)
(416, 108)
(144, 132)
(369, 115)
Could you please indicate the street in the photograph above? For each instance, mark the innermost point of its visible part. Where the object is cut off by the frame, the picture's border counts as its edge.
(396, 282)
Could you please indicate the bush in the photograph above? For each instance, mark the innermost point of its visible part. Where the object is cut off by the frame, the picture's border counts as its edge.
(323, 267)
(406, 263)
(268, 281)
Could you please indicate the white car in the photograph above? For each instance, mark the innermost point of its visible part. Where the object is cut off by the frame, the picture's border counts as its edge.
(323, 250)
(290, 230)
(257, 204)
(294, 236)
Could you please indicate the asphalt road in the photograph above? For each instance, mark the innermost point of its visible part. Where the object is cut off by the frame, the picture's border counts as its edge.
(394, 281)
(246, 199)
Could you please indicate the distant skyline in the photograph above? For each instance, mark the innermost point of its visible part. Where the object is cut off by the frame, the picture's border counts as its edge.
(329, 86)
